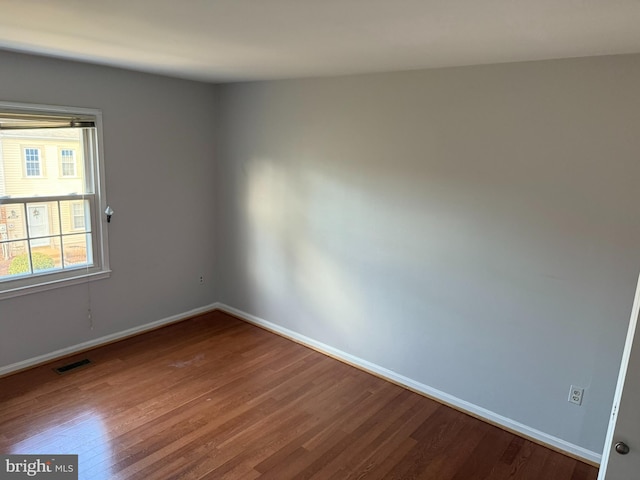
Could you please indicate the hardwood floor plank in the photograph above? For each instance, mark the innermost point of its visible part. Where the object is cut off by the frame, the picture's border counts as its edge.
(215, 397)
(530, 462)
(326, 426)
(480, 461)
(384, 448)
(340, 452)
(558, 465)
(443, 459)
(375, 444)
(512, 450)
(584, 472)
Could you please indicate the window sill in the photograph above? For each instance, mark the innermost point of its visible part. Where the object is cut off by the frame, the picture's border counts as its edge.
(50, 285)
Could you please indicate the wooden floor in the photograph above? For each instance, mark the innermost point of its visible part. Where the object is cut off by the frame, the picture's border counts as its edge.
(214, 397)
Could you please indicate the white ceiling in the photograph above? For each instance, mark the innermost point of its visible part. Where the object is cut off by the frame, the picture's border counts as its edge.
(222, 40)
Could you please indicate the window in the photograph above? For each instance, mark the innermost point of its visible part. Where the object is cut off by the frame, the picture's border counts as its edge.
(78, 216)
(51, 231)
(68, 162)
(32, 162)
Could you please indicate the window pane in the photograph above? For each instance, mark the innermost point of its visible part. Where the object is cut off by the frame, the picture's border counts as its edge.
(12, 222)
(43, 220)
(75, 250)
(75, 216)
(46, 257)
(14, 260)
(39, 147)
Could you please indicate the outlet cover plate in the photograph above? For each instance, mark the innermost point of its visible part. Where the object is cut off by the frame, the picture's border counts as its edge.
(576, 394)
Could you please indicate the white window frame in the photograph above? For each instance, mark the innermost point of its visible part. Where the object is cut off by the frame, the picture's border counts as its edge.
(94, 173)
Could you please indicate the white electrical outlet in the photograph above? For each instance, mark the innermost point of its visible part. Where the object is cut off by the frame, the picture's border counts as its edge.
(575, 395)
(201, 279)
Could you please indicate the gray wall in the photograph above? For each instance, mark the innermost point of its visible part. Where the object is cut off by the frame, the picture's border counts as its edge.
(159, 162)
(475, 229)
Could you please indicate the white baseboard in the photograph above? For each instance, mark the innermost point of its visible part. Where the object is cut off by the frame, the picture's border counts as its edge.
(96, 342)
(470, 408)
